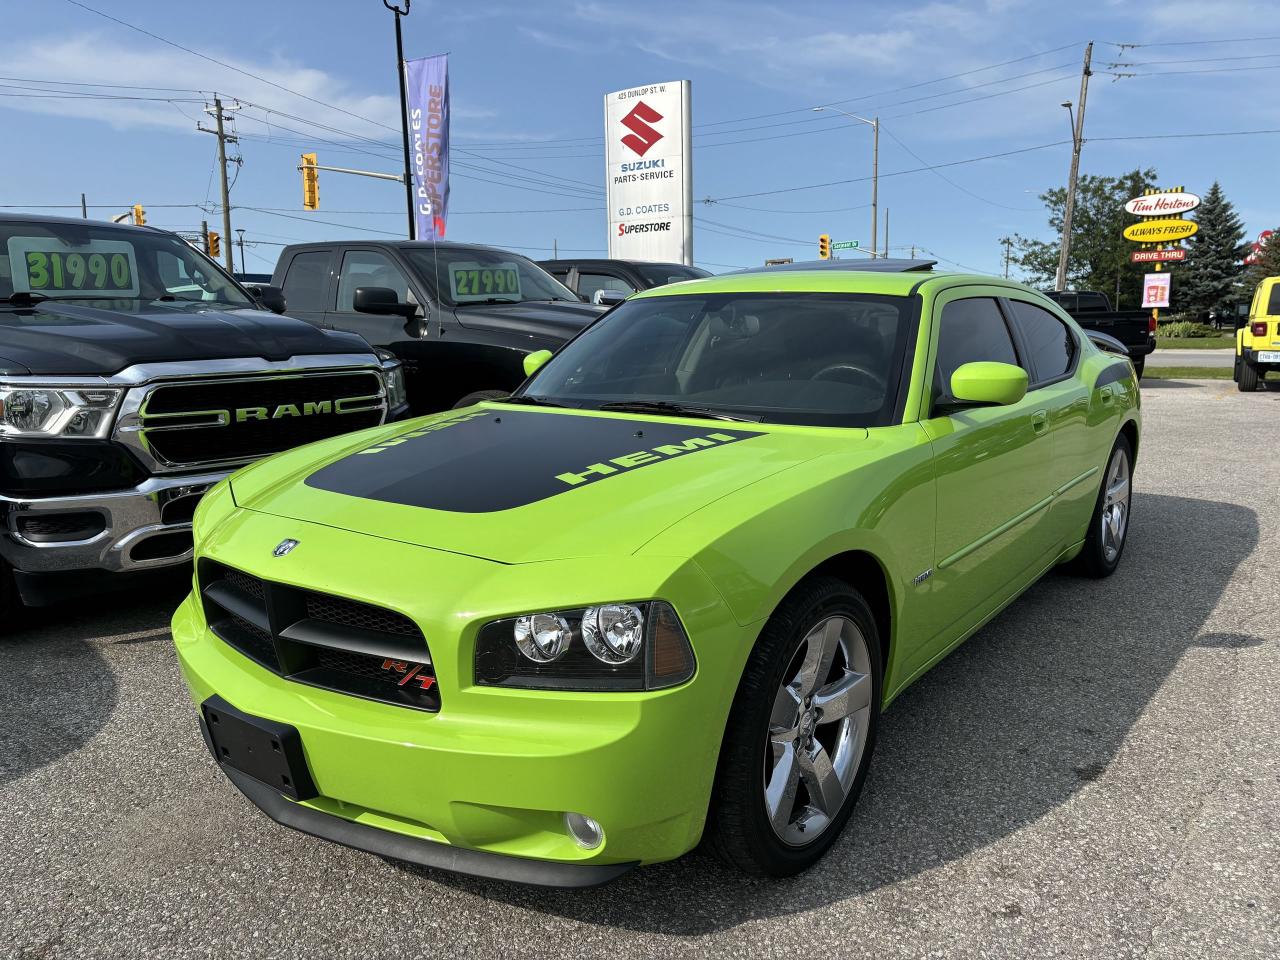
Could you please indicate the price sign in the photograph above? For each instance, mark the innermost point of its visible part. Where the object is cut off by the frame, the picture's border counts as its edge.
(471, 282)
(49, 266)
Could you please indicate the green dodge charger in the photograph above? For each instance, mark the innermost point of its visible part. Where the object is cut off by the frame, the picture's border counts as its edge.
(662, 593)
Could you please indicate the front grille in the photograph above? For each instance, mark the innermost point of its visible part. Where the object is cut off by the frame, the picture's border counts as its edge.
(320, 639)
(245, 418)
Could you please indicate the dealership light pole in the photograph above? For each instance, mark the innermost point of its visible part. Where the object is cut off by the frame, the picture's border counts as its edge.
(1077, 138)
(404, 112)
(875, 167)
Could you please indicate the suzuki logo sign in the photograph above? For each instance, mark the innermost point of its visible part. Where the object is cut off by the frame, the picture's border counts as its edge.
(642, 136)
(649, 185)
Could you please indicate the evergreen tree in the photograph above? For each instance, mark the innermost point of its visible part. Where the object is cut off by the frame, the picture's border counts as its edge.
(1207, 280)
(1099, 252)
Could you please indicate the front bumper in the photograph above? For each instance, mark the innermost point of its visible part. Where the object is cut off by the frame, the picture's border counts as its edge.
(122, 531)
(496, 769)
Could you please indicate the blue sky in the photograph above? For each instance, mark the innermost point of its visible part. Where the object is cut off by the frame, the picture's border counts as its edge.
(527, 81)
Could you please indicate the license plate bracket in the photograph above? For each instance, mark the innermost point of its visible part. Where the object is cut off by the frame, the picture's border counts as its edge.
(268, 751)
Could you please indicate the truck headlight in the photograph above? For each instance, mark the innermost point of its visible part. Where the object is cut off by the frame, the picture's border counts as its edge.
(393, 378)
(63, 412)
(611, 646)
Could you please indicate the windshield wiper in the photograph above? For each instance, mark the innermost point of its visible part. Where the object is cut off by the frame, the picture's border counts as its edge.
(488, 302)
(25, 298)
(529, 400)
(675, 409)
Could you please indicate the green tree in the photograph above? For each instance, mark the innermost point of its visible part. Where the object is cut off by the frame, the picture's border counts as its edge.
(1099, 252)
(1207, 280)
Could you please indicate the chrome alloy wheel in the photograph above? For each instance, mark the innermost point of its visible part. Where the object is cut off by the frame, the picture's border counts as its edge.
(1115, 505)
(817, 731)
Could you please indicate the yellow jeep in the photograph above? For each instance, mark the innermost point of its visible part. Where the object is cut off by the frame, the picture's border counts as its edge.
(1258, 341)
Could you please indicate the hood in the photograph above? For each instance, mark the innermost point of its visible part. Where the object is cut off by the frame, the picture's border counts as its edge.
(560, 319)
(519, 486)
(60, 338)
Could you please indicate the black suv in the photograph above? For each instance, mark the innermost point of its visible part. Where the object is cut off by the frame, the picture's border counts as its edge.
(460, 316)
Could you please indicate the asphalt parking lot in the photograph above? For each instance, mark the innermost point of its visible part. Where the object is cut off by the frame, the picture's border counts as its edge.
(1096, 774)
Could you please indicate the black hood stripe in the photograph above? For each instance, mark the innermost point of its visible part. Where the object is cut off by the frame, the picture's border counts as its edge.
(485, 461)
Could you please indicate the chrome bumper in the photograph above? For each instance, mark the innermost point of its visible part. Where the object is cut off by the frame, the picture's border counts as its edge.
(130, 518)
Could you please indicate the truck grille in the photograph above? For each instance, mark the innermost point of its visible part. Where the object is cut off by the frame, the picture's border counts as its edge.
(320, 639)
(186, 424)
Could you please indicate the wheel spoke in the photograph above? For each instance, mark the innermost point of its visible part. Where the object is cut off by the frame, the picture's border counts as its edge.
(786, 714)
(844, 697)
(823, 641)
(825, 790)
(780, 794)
(1119, 490)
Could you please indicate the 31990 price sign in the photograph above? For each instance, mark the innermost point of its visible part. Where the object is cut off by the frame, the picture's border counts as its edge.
(42, 265)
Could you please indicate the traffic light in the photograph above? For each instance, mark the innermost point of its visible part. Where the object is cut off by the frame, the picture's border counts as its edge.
(139, 215)
(310, 182)
(824, 247)
(215, 245)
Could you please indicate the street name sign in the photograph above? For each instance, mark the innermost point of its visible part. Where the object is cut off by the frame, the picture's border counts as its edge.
(845, 245)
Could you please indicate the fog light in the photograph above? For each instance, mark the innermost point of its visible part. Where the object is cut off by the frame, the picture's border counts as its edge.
(586, 832)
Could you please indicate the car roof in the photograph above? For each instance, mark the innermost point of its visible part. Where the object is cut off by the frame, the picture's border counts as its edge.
(822, 281)
(74, 221)
(874, 265)
(570, 261)
(404, 245)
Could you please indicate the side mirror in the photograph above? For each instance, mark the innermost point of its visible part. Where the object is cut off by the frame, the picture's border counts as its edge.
(270, 297)
(988, 382)
(608, 298)
(533, 361)
(382, 300)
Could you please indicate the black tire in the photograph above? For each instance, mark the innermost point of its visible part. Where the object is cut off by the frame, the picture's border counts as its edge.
(1247, 382)
(1093, 560)
(471, 399)
(1139, 366)
(738, 828)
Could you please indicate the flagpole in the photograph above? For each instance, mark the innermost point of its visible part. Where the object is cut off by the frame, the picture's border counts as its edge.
(404, 113)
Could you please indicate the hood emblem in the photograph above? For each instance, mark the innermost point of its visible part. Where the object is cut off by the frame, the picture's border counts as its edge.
(283, 547)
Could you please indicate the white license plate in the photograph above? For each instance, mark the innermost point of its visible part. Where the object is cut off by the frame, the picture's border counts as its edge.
(1269, 356)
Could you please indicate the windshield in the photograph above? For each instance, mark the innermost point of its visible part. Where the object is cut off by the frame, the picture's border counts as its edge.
(456, 277)
(89, 261)
(805, 358)
(660, 274)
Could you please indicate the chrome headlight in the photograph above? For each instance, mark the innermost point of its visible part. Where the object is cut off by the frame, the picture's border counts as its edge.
(393, 378)
(62, 412)
(612, 646)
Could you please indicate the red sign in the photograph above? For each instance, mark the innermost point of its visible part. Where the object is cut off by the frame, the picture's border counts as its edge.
(1157, 256)
(642, 135)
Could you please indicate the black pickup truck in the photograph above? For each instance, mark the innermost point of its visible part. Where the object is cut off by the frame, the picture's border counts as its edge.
(461, 317)
(134, 375)
(1136, 329)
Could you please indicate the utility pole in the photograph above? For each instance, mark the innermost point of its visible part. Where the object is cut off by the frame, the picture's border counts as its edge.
(240, 231)
(404, 114)
(223, 139)
(84, 209)
(1008, 248)
(1077, 138)
(204, 236)
(885, 252)
(875, 179)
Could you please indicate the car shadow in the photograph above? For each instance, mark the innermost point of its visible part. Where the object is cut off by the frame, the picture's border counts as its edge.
(59, 687)
(1004, 731)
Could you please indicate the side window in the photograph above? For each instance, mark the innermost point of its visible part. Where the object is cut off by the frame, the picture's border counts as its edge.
(589, 283)
(1050, 346)
(369, 268)
(1273, 305)
(969, 331)
(306, 279)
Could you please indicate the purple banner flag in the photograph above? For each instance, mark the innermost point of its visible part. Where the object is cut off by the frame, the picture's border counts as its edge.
(427, 83)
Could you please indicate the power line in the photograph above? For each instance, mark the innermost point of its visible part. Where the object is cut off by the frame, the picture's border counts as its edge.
(946, 179)
(1185, 43)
